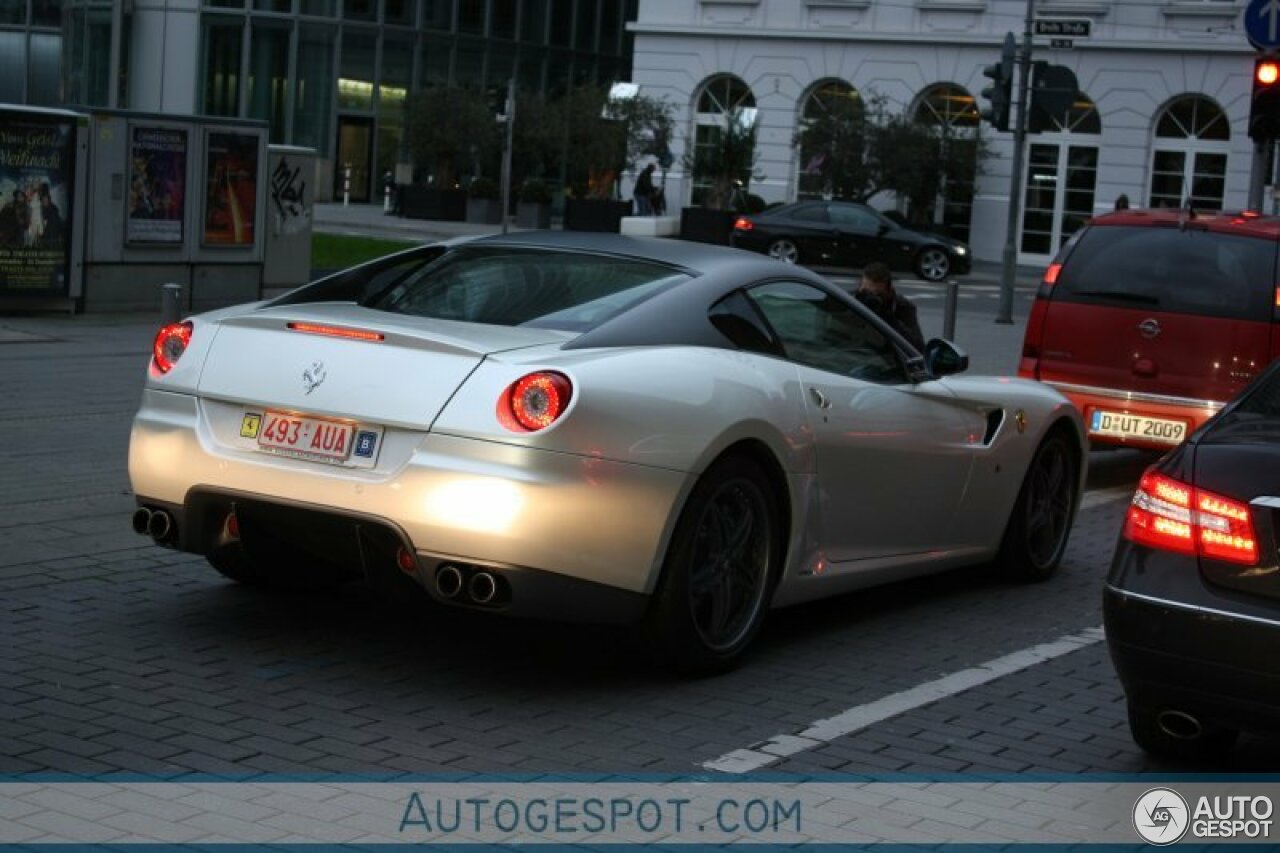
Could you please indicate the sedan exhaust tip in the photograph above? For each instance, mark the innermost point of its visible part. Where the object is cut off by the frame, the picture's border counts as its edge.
(448, 582)
(141, 521)
(1179, 725)
(160, 526)
(483, 588)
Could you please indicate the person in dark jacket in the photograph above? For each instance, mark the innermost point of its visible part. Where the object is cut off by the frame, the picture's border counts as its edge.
(877, 293)
(643, 192)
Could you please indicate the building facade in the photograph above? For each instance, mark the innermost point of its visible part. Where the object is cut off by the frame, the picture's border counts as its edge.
(332, 75)
(1161, 114)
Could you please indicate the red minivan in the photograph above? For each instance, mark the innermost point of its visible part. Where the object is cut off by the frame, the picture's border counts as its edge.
(1150, 320)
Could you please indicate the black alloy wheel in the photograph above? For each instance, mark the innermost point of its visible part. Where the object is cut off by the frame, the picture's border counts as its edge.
(1036, 536)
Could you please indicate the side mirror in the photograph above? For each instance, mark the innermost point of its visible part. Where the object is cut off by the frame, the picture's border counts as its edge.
(944, 358)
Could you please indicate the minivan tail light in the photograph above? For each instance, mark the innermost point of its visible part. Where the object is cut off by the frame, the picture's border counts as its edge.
(170, 343)
(534, 402)
(1051, 274)
(1173, 516)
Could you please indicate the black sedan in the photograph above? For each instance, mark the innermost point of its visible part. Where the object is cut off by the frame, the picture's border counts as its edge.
(848, 234)
(1192, 604)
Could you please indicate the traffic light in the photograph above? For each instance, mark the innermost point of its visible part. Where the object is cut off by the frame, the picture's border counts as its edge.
(1000, 93)
(1264, 111)
(1053, 91)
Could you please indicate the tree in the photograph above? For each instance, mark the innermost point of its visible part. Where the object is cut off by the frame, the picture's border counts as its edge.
(452, 129)
(593, 147)
(725, 158)
(834, 149)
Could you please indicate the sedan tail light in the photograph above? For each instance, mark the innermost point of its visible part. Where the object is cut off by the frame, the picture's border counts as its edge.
(171, 342)
(534, 402)
(1173, 516)
(743, 224)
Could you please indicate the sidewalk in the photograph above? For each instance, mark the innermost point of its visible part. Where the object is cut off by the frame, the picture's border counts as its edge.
(368, 220)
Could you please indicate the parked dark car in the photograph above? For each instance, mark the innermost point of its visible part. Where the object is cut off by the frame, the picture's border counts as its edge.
(848, 234)
(1192, 604)
(1150, 320)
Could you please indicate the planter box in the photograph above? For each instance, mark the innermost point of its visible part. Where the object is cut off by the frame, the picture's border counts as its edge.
(591, 214)
(703, 225)
(418, 202)
(484, 211)
(532, 214)
(651, 226)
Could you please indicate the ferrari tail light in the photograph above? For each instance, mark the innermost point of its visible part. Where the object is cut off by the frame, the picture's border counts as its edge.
(535, 401)
(171, 342)
(743, 224)
(1173, 516)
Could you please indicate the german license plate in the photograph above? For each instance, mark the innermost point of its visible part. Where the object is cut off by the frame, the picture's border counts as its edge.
(1121, 425)
(299, 435)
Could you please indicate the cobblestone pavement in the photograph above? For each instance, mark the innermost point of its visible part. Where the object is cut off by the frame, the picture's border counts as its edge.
(119, 655)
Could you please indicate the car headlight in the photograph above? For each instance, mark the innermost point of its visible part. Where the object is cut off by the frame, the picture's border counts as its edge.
(961, 251)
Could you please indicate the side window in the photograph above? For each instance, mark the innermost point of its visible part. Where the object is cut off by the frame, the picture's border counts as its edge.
(739, 321)
(359, 284)
(855, 219)
(813, 213)
(819, 330)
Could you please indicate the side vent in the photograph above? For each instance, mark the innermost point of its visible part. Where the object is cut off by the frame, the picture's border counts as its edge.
(995, 417)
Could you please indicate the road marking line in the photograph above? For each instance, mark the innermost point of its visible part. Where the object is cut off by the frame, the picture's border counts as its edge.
(862, 716)
(1098, 497)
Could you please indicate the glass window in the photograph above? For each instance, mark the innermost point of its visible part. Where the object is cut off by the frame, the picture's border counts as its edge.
(360, 10)
(561, 22)
(88, 46)
(854, 218)
(397, 68)
(471, 17)
(313, 93)
(533, 21)
(468, 64)
(1168, 269)
(529, 68)
(1193, 116)
(828, 101)
(738, 320)
(819, 330)
(273, 5)
(502, 24)
(44, 70)
(13, 71)
(438, 15)
(435, 62)
(222, 48)
(398, 12)
(355, 83)
(585, 25)
(46, 13)
(321, 8)
(269, 75)
(514, 287)
(13, 12)
(811, 213)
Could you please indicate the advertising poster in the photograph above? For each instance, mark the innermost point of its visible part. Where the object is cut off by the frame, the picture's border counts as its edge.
(157, 185)
(231, 193)
(37, 161)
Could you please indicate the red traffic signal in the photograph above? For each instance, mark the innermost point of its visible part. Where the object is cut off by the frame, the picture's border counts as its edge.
(1264, 109)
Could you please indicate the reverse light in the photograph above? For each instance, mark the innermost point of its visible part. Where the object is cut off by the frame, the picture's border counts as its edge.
(1173, 516)
(171, 342)
(535, 401)
(743, 224)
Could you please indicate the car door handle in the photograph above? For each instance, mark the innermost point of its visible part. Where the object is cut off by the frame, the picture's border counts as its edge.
(819, 399)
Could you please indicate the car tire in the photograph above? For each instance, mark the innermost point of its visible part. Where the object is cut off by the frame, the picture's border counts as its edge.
(933, 264)
(1035, 537)
(1144, 726)
(784, 250)
(725, 554)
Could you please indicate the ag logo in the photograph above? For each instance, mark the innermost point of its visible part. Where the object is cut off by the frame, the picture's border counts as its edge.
(1160, 816)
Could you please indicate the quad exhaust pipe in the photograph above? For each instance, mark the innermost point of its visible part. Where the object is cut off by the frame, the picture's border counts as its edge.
(158, 524)
(1180, 725)
(448, 582)
(470, 584)
(483, 588)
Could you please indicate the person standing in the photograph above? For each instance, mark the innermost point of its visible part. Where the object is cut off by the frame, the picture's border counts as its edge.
(643, 191)
(877, 293)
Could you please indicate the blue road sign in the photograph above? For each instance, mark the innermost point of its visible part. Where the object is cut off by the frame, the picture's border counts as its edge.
(1262, 24)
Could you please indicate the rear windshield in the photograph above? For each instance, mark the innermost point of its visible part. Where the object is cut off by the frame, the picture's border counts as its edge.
(538, 288)
(1257, 415)
(1190, 271)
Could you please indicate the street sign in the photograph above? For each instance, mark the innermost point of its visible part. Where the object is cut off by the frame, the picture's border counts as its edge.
(1262, 24)
(1061, 44)
(1078, 28)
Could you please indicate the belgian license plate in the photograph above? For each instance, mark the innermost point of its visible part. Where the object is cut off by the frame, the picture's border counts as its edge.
(299, 435)
(1120, 425)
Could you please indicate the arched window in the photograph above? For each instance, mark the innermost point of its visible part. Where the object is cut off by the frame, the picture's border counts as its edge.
(828, 101)
(1191, 139)
(721, 98)
(950, 111)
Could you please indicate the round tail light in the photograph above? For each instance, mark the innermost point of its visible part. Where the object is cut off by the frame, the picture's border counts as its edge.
(171, 343)
(535, 401)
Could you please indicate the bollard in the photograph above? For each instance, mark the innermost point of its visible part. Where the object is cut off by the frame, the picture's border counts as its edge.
(386, 199)
(170, 303)
(949, 311)
(346, 186)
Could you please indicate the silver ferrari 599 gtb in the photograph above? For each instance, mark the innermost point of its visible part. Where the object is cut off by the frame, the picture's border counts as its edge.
(594, 427)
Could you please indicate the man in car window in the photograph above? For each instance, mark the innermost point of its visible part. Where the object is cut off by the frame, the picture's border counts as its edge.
(877, 293)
